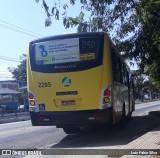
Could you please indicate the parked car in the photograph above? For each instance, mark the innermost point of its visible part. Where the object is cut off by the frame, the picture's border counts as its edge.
(2, 108)
(147, 97)
(22, 108)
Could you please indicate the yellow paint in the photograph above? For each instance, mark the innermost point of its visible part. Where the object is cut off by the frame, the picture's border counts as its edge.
(86, 83)
(87, 56)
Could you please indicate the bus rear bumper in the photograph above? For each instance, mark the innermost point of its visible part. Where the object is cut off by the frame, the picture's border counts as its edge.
(61, 119)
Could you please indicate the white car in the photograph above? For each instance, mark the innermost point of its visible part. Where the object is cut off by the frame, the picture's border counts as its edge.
(21, 108)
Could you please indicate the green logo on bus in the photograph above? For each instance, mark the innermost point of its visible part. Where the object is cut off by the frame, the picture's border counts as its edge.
(66, 82)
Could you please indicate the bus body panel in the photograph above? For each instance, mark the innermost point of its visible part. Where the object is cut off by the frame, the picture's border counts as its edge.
(120, 98)
(84, 84)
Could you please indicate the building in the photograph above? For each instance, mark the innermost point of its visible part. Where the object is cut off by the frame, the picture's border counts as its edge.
(10, 84)
(8, 94)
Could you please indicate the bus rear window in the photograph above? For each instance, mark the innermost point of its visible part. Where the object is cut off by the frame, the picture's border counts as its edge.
(66, 50)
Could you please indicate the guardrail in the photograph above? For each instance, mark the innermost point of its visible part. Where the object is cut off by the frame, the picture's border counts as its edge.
(13, 116)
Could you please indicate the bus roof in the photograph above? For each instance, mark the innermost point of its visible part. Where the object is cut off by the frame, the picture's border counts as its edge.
(82, 34)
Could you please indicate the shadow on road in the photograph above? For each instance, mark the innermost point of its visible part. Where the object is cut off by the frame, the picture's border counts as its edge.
(102, 137)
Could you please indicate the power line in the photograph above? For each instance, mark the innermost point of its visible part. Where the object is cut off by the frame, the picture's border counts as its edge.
(9, 59)
(18, 29)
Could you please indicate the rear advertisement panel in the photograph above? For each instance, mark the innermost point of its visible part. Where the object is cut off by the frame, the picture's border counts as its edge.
(58, 51)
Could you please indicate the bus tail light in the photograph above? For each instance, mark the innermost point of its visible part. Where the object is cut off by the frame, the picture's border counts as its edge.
(107, 92)
(32, 102)
(106, 98)
(30, 96)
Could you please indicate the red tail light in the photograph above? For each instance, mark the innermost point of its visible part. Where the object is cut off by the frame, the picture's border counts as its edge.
(30, 96)
(107, 92)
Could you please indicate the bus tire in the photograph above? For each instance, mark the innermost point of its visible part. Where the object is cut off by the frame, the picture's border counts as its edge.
(71, 130)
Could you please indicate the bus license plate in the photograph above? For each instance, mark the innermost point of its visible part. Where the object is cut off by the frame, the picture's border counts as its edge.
(68, 102)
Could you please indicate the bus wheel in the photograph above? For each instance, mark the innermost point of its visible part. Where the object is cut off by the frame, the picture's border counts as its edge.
(71, 130)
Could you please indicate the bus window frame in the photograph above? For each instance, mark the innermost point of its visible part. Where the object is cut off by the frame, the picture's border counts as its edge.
(68, 66)
(119, 68)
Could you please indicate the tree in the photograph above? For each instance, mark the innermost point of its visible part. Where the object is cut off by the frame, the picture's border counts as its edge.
(146, 45)
(105, 15)
(151, 32)
(145, 84)
(19, 73)
(133, 25)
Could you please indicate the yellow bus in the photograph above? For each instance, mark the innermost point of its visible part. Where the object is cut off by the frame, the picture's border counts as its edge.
(75, 80)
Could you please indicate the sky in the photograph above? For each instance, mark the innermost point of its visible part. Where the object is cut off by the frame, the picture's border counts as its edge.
(30, 16)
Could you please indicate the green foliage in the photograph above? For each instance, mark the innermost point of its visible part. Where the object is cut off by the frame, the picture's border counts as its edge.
(150, 35)
(23, 95)
(120, 16)
(133, 25)
(19, 73)
(145, 83)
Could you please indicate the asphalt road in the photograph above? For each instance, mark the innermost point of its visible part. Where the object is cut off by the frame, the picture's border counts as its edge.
(21, 135)
(145, 108)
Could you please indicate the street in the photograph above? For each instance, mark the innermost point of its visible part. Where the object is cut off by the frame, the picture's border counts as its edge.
(21, 135)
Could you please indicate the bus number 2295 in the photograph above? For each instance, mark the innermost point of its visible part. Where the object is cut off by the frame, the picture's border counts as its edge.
(44, 84)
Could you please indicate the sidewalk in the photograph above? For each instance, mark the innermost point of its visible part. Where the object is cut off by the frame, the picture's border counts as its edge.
(145, 146)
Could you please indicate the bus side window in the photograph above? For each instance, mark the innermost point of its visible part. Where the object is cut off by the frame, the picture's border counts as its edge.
(116, 66)
(120, 73)
(113, 57)
(125, 76)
